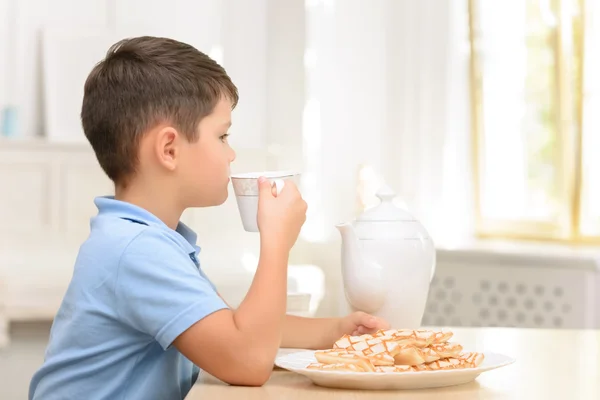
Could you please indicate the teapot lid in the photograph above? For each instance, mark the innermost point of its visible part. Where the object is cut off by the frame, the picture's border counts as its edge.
(386, 211)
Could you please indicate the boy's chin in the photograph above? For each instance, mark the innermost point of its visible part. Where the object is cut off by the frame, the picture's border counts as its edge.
(212, 202)
(222, 201)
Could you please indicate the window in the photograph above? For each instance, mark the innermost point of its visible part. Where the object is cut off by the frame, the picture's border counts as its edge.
(534, 86)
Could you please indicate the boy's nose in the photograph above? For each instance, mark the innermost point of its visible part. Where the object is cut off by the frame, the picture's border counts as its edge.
(232, 156)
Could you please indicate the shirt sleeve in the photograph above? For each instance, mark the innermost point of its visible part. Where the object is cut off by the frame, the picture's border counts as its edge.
(159, 289)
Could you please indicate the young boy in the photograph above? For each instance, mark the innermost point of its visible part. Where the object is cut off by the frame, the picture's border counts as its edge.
(140, 318)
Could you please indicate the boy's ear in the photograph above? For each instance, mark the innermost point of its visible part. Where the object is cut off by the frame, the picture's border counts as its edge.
(166, 148)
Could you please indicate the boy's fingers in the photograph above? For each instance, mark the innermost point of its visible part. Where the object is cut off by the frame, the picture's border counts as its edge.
(264, 187)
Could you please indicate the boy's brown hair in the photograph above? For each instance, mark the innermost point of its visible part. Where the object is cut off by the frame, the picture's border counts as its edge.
(142, 82)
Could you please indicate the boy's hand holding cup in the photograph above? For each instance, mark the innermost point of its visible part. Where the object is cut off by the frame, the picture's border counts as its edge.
(270, 203)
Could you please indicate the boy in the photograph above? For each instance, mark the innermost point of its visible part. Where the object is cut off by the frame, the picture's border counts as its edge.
(140, 318)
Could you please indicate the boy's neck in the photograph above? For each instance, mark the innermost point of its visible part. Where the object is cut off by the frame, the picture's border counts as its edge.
(153, 201)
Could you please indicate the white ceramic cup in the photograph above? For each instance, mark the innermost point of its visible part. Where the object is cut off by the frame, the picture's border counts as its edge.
(245, 187)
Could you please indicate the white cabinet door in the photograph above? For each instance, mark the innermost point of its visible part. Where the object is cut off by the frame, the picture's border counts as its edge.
(82, 180)
(26, 193)
(25, 63)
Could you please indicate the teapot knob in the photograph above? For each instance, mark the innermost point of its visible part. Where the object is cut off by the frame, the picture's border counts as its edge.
(385, 193)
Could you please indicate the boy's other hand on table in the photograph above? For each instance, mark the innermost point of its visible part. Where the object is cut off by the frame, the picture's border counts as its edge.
(359, 323)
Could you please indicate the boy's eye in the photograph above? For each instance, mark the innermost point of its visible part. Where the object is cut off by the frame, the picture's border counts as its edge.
(224, 137)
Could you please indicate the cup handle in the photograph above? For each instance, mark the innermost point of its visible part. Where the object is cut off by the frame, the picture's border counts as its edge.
(279, 184)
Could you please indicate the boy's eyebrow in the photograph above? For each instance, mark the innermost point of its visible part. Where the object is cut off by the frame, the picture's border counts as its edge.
(227, 124)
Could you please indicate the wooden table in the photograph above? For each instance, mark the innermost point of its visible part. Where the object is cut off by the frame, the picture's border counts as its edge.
(551, 364)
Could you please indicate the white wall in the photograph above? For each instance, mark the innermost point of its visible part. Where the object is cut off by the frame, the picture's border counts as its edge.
(233, 30)
(286, 83)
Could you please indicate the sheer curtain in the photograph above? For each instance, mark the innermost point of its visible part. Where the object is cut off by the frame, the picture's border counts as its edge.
(429, 154)
(387, 102)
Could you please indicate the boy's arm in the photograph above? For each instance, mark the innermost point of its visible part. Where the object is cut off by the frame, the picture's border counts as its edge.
(308, 333)
(321, 333)
(239, 346)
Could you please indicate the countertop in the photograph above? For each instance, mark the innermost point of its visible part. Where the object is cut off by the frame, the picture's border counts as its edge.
(550, 364)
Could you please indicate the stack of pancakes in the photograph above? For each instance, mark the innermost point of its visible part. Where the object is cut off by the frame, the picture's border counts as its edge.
(392, 350)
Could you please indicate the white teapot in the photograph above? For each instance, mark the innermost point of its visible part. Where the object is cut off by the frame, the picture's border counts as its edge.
(388, 262)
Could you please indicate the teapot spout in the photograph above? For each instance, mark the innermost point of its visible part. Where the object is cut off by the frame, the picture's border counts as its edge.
(363, 278)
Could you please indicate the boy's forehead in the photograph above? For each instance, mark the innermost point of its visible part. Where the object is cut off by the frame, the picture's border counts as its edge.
(224, 105)
(219, 121)
(221, 114)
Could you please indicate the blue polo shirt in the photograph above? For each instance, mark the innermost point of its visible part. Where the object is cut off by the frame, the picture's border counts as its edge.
(136, 286)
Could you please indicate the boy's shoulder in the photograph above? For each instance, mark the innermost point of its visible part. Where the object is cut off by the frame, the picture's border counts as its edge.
(129, 249)
(121, 228)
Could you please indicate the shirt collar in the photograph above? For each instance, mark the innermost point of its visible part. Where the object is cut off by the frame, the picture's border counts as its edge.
(109, 206)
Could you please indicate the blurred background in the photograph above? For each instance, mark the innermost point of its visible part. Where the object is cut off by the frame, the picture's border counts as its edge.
(481, 115)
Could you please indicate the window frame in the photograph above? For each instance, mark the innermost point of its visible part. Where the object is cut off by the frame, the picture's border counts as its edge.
(570, 124)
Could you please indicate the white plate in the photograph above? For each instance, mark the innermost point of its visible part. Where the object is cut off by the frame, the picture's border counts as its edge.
(297, 362)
